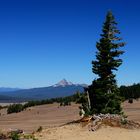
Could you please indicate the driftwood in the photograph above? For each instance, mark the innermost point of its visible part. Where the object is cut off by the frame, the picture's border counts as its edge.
(96, 121)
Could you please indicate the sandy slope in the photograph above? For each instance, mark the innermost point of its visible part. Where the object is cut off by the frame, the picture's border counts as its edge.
(76, 132)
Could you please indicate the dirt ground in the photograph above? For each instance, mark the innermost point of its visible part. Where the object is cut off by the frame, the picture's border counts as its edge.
(44, 115)
(76, 132)
(132, 110)
(52, 115)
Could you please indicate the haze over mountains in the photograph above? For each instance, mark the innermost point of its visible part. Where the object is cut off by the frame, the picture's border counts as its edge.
(7, 89)
(61, 89)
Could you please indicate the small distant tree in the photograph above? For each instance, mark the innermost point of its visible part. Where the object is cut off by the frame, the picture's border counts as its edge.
(130, 101)
(1, 107)
(104, 93)
(61, 104)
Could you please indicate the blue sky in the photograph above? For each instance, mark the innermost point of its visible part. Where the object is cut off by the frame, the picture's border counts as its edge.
(42, 42)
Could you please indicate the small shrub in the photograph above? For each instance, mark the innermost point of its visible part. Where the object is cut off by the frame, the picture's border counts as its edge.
(123, 121)
(124, 116)
(130, 101)
(67, 103)
(15, 136)
(35, 139)
(29, 136)
(39, 129)
(2, 136)
(1, 107)
(61, 104)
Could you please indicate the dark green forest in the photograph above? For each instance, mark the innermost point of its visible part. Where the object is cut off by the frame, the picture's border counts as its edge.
(130, 92)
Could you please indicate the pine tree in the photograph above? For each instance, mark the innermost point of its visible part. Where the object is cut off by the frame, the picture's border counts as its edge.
(104, 93)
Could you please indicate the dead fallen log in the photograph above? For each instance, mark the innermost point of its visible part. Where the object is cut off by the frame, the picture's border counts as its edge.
(96, 121)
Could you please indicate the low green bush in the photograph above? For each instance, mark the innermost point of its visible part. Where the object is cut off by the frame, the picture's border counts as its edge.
(15, 108)
(15, 136)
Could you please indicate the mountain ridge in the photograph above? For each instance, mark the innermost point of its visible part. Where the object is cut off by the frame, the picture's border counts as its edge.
(61, 89)
(8, 89)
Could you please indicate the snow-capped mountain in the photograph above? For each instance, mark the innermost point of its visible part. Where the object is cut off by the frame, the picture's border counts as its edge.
(61, 89)
(63, 83)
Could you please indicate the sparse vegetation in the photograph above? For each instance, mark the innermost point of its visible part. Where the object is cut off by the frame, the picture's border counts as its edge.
(65, 101)
(1, 107)
(29, 137)
(15, 136)
(39, 129)
(123, 121)
(2, 136)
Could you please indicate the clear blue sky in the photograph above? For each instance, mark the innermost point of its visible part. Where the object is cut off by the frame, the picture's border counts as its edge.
(42, 42)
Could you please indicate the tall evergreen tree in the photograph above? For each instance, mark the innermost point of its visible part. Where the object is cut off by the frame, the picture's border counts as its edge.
(104, 93)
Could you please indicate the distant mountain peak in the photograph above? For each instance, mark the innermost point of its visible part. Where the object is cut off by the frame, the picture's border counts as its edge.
(63, 83)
